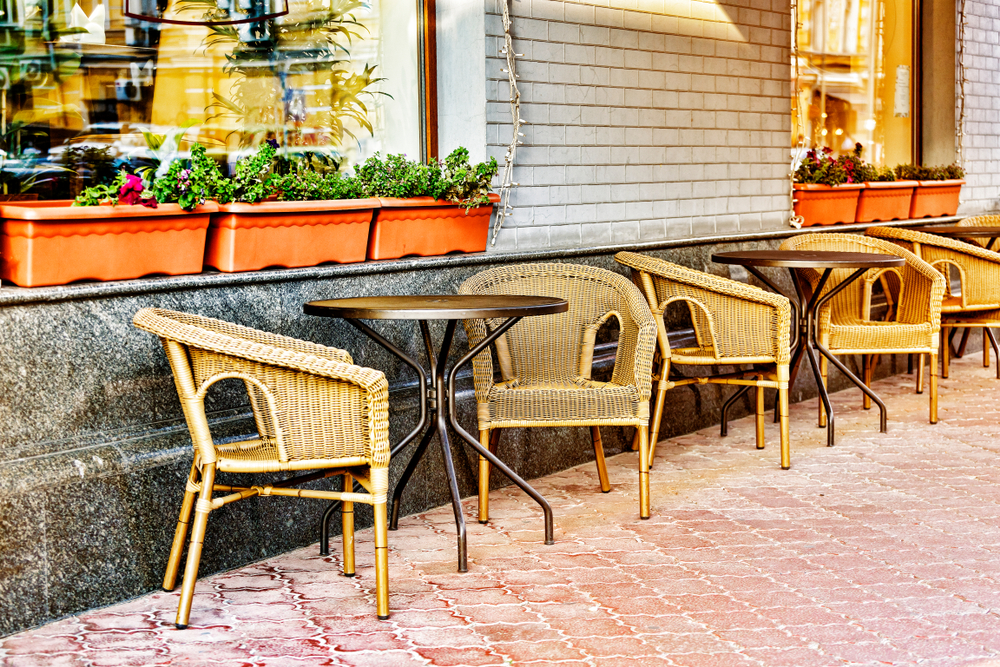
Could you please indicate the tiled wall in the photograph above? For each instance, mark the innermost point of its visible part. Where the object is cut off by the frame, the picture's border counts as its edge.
(667, 121)
(981, 145)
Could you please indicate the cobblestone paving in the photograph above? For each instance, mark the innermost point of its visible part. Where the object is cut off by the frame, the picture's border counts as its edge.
(879, 551)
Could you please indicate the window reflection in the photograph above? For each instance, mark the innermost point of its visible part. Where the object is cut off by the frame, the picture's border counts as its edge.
(855, 65)
(85, 89)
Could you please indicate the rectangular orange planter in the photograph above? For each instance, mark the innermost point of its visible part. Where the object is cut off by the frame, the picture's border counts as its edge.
(826, 204)
(54, 243)
(935, 199)
(246, 237)
(884, 201)
(423, 227)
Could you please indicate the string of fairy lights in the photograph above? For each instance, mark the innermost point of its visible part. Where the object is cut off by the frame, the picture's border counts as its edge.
(507, 176)
(960, 66)
(799, 132)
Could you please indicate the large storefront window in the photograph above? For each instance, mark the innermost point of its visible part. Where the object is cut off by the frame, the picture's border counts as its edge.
(856, 78)
(86, 89)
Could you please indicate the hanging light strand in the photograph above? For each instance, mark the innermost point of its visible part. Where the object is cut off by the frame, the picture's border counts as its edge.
(960, 57)
(507, 176)
(793, 219)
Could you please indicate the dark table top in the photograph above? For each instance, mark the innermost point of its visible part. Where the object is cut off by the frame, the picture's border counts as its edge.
(436, 307)
(955, 230)
(808, 259)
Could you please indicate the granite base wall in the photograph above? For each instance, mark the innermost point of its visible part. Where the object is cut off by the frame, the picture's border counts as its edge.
(95, 452)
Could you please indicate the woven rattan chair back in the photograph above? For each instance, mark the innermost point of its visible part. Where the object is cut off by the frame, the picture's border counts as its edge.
(313, 409)
(545, 362)
(735, 324)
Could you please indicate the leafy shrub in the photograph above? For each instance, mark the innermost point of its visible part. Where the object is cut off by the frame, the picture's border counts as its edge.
(126, 188)
(821, 168)
(913, 172)
(251, 181)
(192, 182)
(312, 186)
(454, 180)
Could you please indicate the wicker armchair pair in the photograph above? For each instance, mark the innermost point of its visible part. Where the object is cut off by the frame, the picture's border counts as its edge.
(977, 302)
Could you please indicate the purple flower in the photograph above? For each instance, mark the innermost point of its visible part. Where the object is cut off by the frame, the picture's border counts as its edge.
(273, 143)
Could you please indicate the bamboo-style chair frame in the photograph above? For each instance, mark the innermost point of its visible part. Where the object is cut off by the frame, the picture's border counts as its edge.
(979, 221)
(977, 304)
(844, 324)
(545, 362)
(735, 324)
(314, 410)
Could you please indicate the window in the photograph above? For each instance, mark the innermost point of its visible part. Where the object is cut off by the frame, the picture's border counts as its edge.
(856, 78)
(83, 90)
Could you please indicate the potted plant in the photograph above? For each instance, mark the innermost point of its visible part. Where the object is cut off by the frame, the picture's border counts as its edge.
(113, 232)
(428, 209)
(884, 196)
(826, 192)
(938, 191)
(301, 218)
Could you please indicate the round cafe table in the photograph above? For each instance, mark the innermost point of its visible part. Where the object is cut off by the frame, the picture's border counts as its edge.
(804, 311)
(437, 395)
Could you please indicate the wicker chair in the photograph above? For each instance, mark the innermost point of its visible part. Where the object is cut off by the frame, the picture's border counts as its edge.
(735, 324)
(977, 305)
(980, 221)
(844, 324)
(545, 362)
(313, 410)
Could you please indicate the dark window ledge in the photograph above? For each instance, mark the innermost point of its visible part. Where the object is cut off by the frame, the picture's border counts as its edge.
(16, 296)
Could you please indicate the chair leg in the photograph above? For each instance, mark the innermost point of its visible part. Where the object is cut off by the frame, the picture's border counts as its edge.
(934, 390)
(759, 416)
(201, 512)
(602, 469)
(786, 457)
(945, 353)
(654, 429)
(488, 440)
(867, 369)
(920, 373)
(994, 345)
(381, 562)
(986, 348)
(643, 472)
(823, 378)
(347, 524)
(180, 533)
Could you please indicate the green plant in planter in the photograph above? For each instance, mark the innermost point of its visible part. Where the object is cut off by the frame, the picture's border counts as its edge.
(455, 180)
(251, 180)
(913, 172)
(869, 173)
(821, 168)
(192, 182)
(313, 186)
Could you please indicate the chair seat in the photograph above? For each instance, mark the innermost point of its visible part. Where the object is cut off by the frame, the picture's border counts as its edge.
(570, 400)
(953, 304)
(882, 336)
(705, 356)
(261, 455)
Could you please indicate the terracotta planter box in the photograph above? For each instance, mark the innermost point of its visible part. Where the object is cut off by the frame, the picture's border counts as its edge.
(826, 204)
(247, 237)
(934, 199)
(884, 201)
(423, 226)
(53, 243)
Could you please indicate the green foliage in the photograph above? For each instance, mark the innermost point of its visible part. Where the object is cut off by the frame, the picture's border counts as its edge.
(251, 178)
(456, 180)
(313, 186)
(465, 183)
(913, 172)
(395, 176)
(191, 182)
(102, 193)
(869, 173)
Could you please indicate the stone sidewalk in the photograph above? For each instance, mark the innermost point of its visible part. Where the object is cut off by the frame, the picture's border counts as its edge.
(880, 551)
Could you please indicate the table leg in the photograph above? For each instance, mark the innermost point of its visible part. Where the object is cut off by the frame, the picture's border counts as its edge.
(883, 412)
(483, 451)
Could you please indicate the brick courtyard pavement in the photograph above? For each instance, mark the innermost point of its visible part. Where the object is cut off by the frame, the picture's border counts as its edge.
(880, 551)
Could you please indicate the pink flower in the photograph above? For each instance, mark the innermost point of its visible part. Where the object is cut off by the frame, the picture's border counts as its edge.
(131, 193)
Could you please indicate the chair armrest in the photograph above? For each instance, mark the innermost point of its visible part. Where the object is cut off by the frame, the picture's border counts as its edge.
(634, 362)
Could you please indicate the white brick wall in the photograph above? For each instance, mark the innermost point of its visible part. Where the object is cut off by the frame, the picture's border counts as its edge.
(981, 146)
(643, 125)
